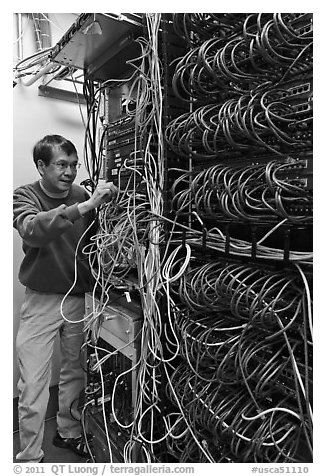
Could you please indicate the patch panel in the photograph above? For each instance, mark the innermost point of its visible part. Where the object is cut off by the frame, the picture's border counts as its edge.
(294, 17)
(299, 109)
(118, 122)
(297, 90)
(120, 133)
(305, 29)
(114, 144)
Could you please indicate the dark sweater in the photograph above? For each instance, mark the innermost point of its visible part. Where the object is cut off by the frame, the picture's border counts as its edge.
(50, 229)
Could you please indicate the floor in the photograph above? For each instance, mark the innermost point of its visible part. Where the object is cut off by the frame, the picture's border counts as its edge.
(52, 454)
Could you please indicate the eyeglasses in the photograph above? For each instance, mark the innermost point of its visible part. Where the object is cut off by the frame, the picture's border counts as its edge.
(64, 165)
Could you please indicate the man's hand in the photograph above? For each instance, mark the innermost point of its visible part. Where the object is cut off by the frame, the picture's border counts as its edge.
(103, 193)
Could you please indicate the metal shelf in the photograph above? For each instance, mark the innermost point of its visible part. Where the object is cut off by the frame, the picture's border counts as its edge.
(99, 45)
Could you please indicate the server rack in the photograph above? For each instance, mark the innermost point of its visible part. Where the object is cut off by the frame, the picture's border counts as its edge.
(226, 224)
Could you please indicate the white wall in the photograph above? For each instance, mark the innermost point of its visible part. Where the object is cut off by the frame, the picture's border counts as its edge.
(33, 117)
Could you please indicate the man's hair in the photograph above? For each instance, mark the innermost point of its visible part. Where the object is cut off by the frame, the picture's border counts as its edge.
(43, 149)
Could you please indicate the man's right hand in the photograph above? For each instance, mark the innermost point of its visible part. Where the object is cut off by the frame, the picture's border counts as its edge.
(103, 193)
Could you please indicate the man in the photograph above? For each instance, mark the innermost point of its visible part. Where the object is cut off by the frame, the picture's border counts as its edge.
(52, 216)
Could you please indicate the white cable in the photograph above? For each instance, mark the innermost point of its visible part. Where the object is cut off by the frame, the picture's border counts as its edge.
(75, 279)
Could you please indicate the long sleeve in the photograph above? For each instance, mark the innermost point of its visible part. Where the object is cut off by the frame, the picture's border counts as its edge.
(54, 235)
(36, 227)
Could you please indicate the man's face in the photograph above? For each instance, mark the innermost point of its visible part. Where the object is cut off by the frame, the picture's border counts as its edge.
(58, 176)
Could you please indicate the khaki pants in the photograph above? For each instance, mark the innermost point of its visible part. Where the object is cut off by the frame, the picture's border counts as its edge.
(40, 322)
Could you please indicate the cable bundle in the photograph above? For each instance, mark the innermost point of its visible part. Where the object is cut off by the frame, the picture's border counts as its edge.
(243, 331)
(258, 193)
(215, 241)
(261, 120)
(267, 51)
(245, 337)
(218, 348)
(196, 27)
(129, 237)
(271, 433)
(182, 446)
(270, 300)
(112, 248)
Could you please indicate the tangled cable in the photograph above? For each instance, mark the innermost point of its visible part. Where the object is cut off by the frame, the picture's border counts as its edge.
(246, 378)
(263, 54)
(195, 28)
(258, 193)
(273, 435)
(260, 120)
(228, 343)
